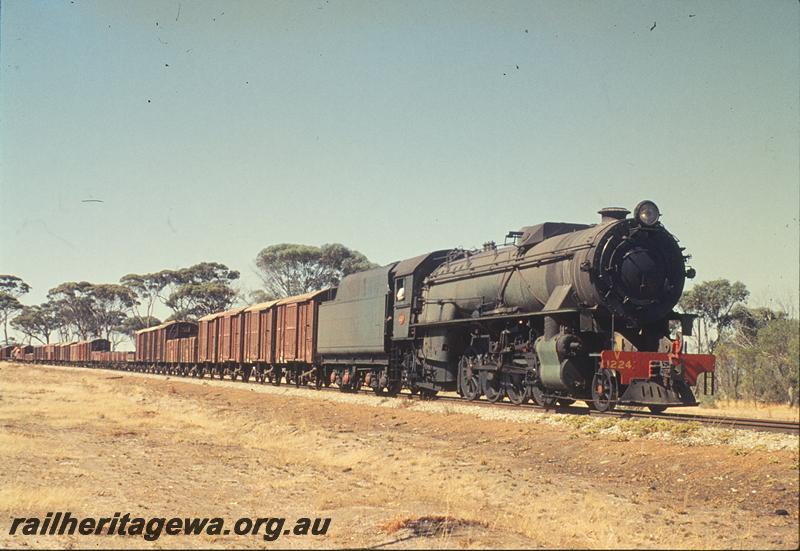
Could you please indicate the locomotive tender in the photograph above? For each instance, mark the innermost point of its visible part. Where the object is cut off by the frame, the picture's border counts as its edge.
(564, 312)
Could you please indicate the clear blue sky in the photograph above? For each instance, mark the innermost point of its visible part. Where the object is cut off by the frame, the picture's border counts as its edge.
(212, 129)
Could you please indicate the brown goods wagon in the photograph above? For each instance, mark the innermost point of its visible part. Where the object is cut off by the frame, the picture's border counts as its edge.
(109, 357)
(118, 357)
(146, 343)
(6, 352)
(97, 345)
(296, 327)
(207, 339)
(259, 333)
(158, 341)
(82, 351)
(182, 350)
(151, 343)
(50, 352)
(188, 350)
(176, 330)
(62, 351)
(230, 332)
(23, 352)
(38, 353)
(171, 353)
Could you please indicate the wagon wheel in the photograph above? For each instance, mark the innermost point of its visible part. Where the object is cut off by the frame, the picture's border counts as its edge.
(657, 409)
(468, 382)
(516, 389)
(492, 387)
(246, 374)
(201, 371)
(604, 390)
(380, 384)
(539, 397)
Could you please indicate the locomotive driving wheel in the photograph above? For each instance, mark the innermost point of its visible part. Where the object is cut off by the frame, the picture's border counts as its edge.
(468, 382)
(516, 389)
(492, 386)
(604, 390)
(540, 398)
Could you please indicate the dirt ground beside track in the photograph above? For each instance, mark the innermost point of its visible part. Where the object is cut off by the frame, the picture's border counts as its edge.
(95, 442)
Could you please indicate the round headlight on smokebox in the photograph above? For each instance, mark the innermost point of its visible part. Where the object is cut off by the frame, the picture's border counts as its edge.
(647, 213)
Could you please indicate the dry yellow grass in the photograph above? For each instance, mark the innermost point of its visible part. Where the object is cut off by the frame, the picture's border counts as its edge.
(87, 442)
(24, 499)
(742, 408)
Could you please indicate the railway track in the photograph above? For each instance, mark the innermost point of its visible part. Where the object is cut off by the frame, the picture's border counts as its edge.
(763, 425)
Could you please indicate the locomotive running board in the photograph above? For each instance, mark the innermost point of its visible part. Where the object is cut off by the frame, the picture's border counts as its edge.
(505, 317)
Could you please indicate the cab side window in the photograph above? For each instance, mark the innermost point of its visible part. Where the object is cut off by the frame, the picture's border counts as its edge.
(400, 290)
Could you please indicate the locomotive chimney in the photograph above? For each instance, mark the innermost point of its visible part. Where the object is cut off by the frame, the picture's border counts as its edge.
(612, 214)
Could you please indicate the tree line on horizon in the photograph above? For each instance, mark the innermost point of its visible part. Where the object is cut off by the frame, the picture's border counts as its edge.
(757, 349)
(79, 310)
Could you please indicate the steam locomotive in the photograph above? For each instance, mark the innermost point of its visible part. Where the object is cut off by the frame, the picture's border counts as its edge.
(563, 312)
(560, 312)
